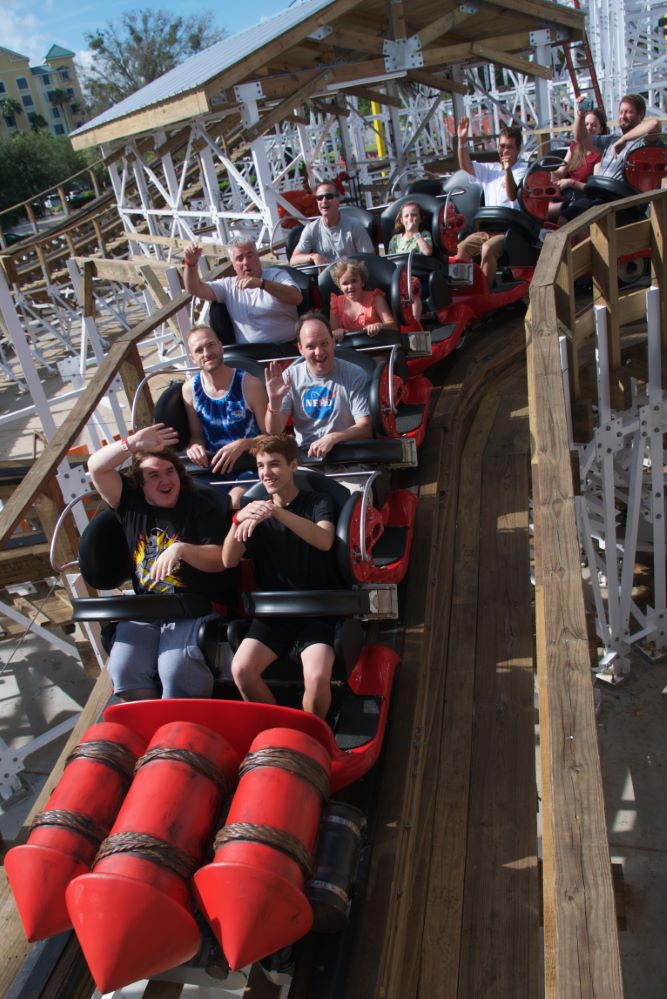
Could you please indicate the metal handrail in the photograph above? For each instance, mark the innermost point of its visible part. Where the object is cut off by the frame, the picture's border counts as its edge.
(144, 381)
(57, 568)
(390, 374)
(364, 509)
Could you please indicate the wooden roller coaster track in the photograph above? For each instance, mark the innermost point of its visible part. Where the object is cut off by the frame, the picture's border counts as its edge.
(452, 901)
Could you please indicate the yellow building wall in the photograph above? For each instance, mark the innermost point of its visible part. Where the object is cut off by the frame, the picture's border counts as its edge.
(20, 84)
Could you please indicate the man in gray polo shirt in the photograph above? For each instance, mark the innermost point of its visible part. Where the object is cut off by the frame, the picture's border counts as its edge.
(333, 235)
(326, 397)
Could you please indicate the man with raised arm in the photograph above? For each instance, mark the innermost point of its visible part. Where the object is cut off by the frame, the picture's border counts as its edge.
(289, 539)
(333, 235)
(326, 396)
(261, 303)
(226, 407)
(174, 532)
(500, 183)
(636, 131)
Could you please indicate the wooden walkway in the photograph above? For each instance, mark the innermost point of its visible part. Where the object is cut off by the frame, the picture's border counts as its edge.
(452, 903)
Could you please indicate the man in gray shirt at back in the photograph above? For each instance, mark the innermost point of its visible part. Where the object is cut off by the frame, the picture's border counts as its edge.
(326, 396)
(333, 235)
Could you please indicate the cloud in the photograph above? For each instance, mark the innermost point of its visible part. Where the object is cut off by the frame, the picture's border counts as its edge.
(22, 32)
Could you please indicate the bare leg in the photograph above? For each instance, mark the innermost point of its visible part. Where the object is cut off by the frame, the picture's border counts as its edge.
(417, 307)
(317, 661)
(491, 252)
(251, 659)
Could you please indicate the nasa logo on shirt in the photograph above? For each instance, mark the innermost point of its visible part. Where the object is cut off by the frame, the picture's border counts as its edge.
(318, 402)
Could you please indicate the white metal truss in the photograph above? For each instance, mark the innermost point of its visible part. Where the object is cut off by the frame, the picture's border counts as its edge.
(621, 507)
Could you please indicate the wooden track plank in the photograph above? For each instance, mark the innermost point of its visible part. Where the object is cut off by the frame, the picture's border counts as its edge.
(501, 912)
(396, 876)
(443, 911)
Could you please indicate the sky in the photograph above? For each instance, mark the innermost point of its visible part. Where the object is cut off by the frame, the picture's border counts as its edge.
(31, 27)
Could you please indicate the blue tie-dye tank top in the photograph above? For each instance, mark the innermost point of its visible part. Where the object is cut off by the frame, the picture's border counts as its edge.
(227, 419)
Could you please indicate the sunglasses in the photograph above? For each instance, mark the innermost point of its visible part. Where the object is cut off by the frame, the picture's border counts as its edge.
(325, 197)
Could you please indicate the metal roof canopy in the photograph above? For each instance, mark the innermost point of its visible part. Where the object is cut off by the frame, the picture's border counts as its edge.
(319, 46)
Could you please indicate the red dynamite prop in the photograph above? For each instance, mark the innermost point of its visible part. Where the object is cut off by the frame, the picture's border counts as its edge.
(252, 893)
(65, 837)
(133, 912)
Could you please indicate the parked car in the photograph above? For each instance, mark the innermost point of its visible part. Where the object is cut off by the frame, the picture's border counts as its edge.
(78, 196)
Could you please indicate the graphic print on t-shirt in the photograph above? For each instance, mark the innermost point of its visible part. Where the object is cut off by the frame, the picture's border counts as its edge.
(146, 551)
(319, 401)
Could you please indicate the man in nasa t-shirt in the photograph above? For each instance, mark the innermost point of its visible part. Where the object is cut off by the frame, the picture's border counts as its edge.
(326, 397)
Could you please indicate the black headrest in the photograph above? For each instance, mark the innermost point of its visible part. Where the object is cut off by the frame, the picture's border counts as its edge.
(303, 281)
(221, 323)
(170, 410)
(360, 214)
(382, 274)
(426, 185)
(430, 208)
(292, 239)
(104, 556)
(308, 481)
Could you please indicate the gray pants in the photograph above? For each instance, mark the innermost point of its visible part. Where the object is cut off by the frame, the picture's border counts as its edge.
(145, 652)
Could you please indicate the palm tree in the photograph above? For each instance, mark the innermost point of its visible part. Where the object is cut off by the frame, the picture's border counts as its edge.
(10, 107)
(59, 98)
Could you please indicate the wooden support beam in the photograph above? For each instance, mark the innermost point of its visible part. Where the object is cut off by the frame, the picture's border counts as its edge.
(489, 54)
(127, 271)
(88, 299)
(581, 953)
(442, 83)
(443, 25)
(131, 374)
(158, 293)
(658, 243)
(374, 95)
(358, 41)
(278, 113)
(544, 11)
(397, 26)
(518, 41)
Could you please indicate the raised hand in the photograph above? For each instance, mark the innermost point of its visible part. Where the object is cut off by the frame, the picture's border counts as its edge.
(191, 254)
(463, 129)
(276, 385)
(154, 438)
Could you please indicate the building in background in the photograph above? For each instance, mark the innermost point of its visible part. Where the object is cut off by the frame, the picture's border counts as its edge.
(48, 95)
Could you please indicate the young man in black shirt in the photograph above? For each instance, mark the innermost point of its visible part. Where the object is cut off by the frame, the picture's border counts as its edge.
(289, 538)
(174, 533)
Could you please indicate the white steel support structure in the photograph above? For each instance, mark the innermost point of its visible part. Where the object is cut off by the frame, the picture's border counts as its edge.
(621, 508)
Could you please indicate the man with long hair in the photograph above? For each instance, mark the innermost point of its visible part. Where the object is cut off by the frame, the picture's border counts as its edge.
(174, 532)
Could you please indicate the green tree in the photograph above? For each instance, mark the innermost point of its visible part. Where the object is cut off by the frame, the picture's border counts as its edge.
(38, 121)
(32, 162)
(139, 47)
(59, 99)
(10, 106)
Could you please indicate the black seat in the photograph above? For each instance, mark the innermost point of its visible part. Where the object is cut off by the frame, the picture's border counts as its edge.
(426, 185)
(430, 209)
(431, 271)
(382, 274)
(346, 510)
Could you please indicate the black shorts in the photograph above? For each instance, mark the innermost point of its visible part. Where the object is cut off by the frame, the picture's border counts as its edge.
(291, 635)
